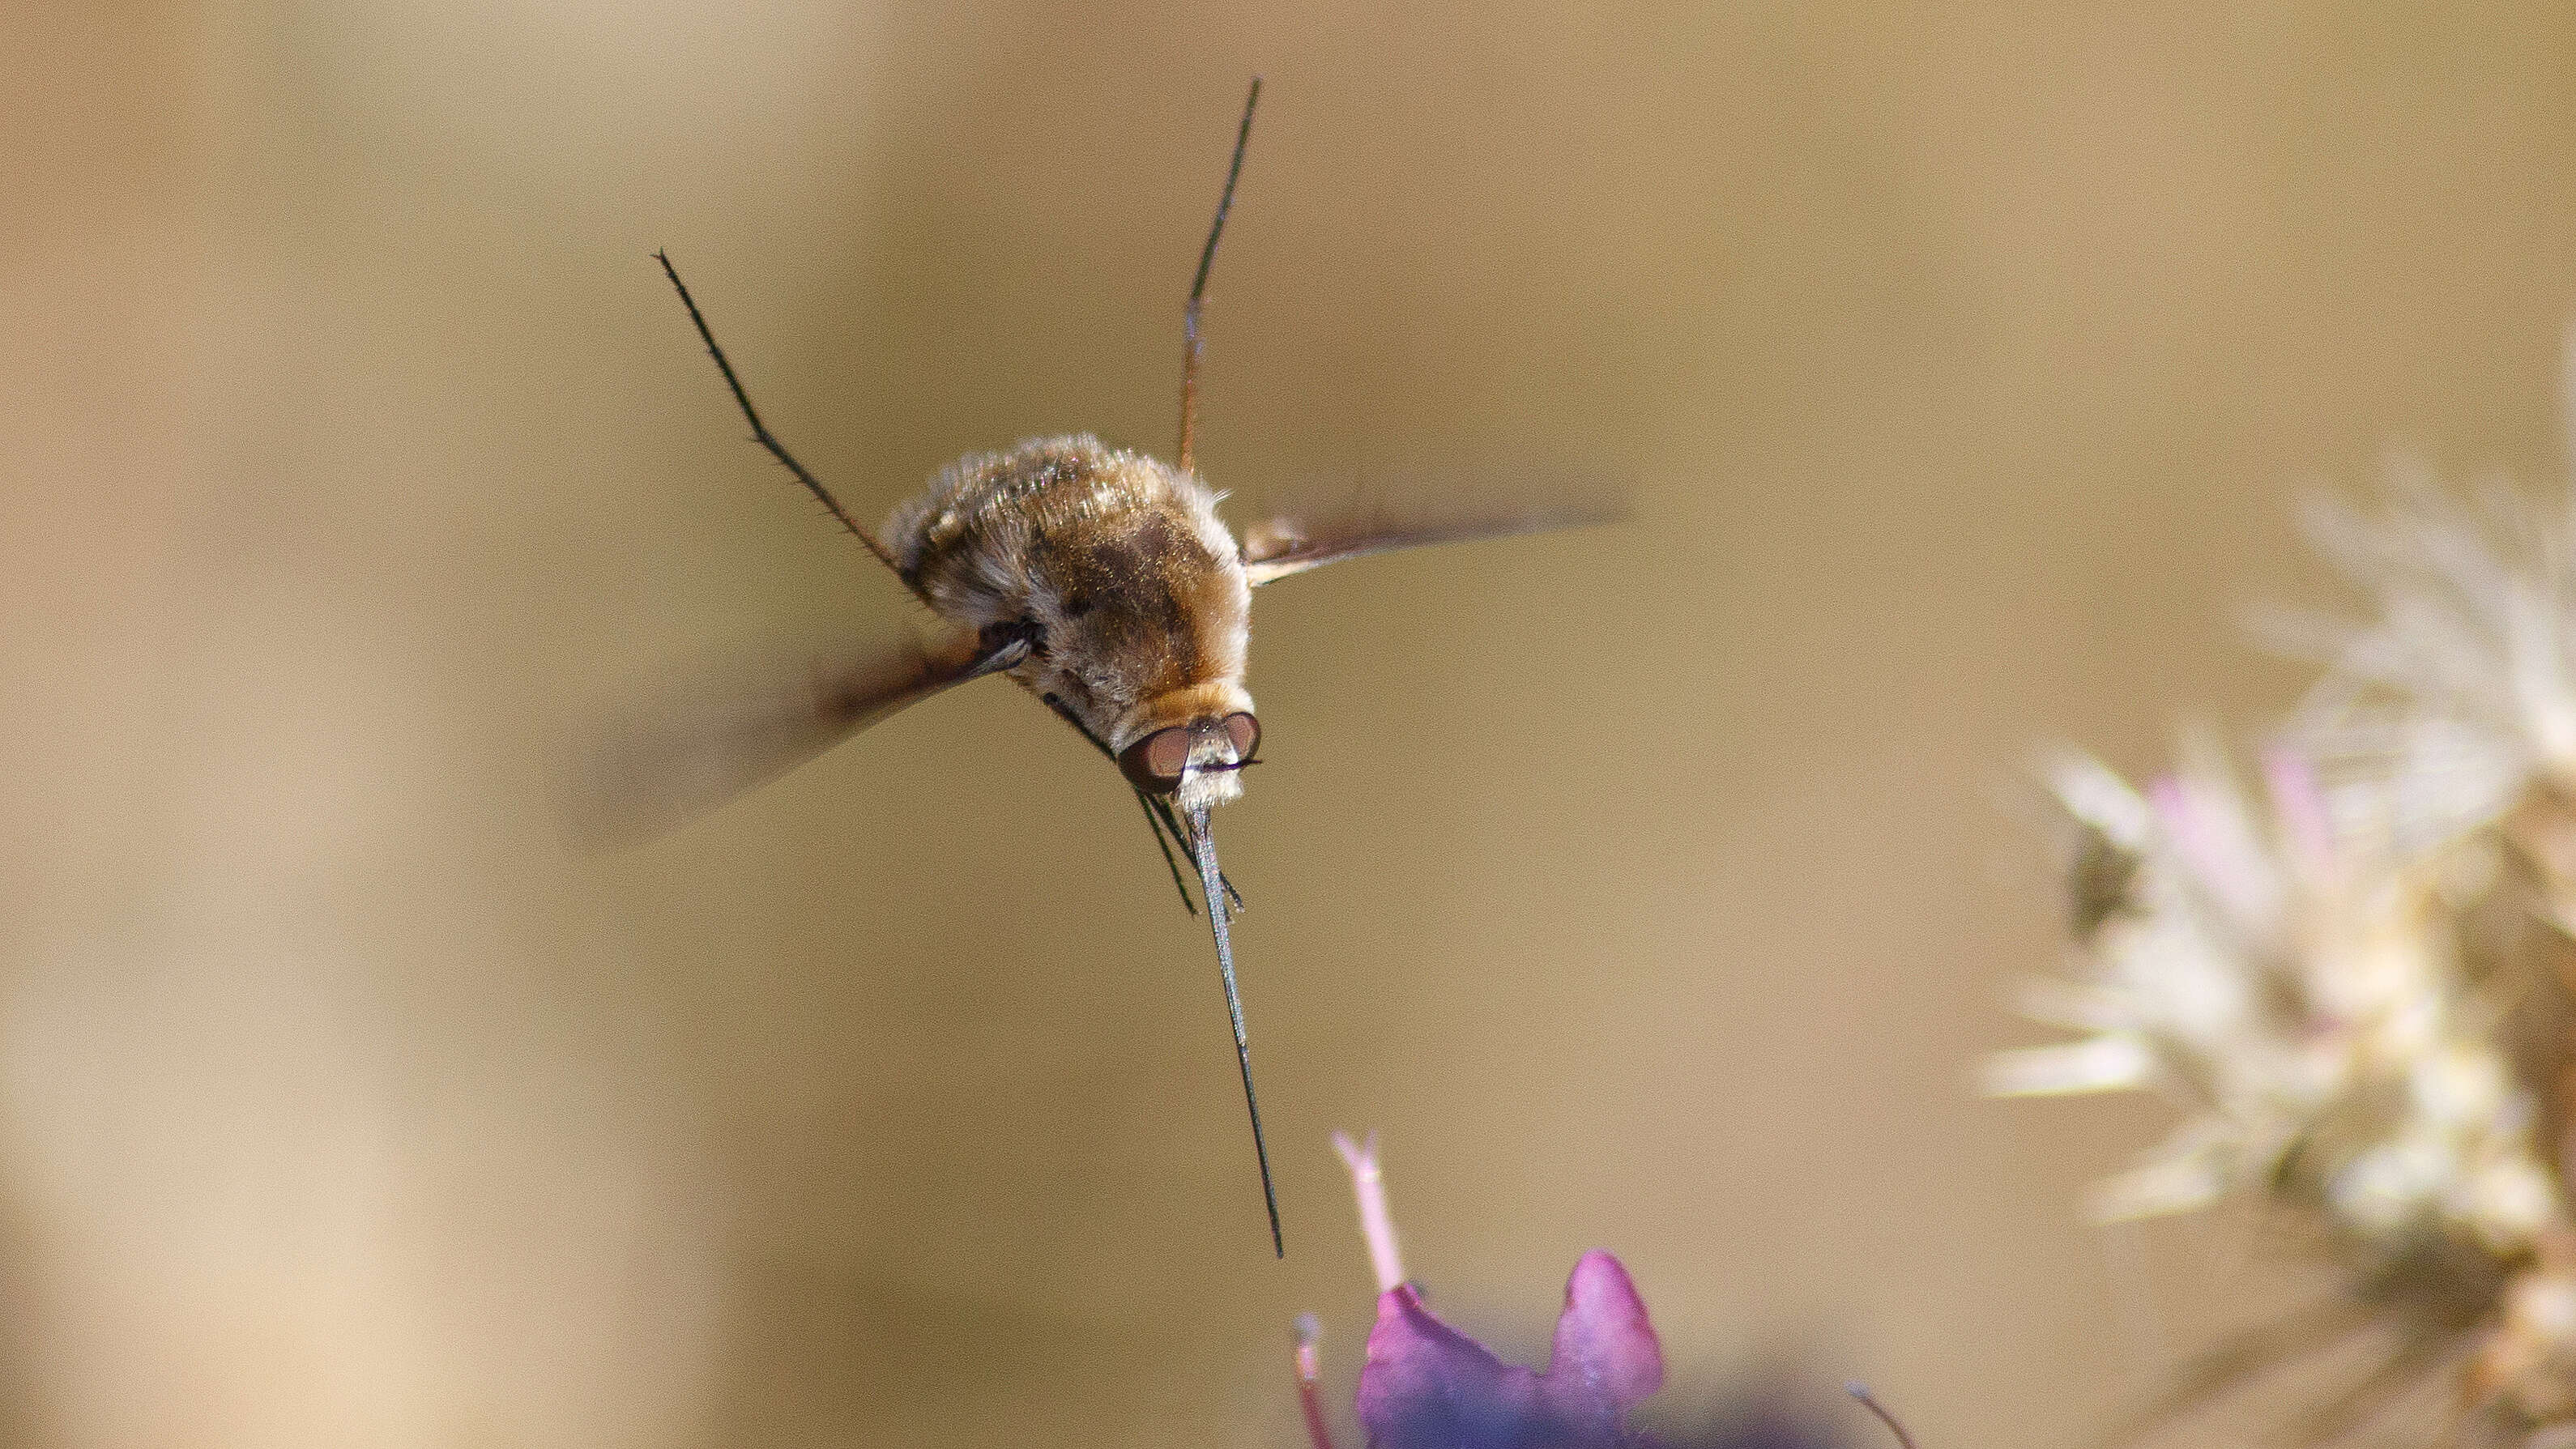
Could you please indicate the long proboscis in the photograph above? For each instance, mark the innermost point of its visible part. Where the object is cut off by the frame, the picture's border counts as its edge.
(1212, 888)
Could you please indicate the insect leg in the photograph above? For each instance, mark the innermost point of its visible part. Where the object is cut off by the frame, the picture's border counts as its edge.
(1001, 648)
(1198, 285)
(1155, 823)
(760, 431)
(1157, 809)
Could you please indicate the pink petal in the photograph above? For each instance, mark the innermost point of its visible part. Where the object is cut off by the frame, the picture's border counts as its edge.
(1606, 1358)
(1426, 1384)
(2208, 836)
(2306, 822)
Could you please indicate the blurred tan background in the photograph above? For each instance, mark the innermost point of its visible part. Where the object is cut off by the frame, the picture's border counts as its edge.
(1650, 888)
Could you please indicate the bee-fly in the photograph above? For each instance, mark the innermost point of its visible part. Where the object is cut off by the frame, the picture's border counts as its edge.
(1103, 582)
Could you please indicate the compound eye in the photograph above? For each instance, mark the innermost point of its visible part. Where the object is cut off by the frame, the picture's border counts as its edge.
(1154, 763)
(1244, 732)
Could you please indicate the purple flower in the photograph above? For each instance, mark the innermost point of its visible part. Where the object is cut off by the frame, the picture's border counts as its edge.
(1428, 1386)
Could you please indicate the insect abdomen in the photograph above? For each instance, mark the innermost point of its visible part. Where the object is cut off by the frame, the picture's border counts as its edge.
(986, 530)
(1121, 566)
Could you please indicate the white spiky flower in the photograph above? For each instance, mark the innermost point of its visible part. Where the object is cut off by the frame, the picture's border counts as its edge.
(2341, 1046)
(2316, 1020)
(2455, 697)
(2364, 995)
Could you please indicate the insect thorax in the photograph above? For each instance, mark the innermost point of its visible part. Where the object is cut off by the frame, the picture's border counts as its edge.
(1122, 565)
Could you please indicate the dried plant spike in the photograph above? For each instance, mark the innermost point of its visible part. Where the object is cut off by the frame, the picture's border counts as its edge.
(1368, 1185)
(1860, 1391)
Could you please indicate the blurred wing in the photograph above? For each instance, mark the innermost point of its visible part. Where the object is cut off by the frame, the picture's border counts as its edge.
(715, 737)
(1347, 522)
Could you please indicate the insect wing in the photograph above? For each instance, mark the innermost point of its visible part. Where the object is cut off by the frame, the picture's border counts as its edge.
(720, 734)
(1346, 522)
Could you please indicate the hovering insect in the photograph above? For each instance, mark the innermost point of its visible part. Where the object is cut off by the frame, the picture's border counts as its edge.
(1100, 580)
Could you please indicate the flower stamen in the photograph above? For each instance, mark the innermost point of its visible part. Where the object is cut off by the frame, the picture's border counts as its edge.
(1368, 1185)
(1310, 1377)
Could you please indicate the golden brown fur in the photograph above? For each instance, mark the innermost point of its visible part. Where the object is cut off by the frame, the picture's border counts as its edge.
(1134, 587)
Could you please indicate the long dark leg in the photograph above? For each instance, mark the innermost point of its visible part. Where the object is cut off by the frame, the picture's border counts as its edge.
(1155, 823)
(1198, 285)
(1158, 811)
(760, 431)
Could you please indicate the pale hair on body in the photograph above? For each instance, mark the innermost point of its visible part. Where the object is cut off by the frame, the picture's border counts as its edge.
(1136, 587)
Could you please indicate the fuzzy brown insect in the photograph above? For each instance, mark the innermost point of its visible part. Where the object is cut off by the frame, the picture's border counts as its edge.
(1102, 581)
